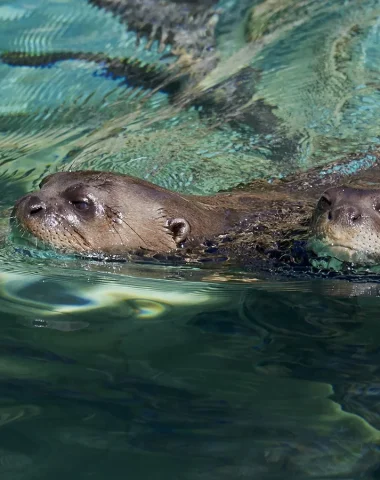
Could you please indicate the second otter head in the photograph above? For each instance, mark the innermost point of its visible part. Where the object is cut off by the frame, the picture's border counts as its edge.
(346, 225)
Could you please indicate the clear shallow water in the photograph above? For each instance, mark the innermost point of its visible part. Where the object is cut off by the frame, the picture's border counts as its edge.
(308, 94)
(161, 371)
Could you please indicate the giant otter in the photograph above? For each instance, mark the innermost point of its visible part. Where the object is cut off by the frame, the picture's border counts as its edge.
(111, 214)
(93, 212)
(346, 224)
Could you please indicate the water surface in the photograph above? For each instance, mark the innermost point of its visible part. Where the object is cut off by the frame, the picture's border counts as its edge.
(115, 370)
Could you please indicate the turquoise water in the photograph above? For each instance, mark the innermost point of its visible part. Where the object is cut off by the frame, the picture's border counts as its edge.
(126, 370)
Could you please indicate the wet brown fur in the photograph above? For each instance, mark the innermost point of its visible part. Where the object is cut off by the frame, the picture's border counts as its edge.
(248, 220)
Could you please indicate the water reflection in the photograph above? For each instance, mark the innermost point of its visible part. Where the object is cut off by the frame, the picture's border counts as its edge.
(294, 85)
(252, 380)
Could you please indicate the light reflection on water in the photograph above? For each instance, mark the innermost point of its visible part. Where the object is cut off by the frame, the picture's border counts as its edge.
(309, 90)
(197, 379)
(162, 371)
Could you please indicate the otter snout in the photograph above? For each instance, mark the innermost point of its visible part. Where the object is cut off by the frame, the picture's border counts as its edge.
(29, 207)
(346, 224)
(33, 206)
(48, 218)
(341, 205)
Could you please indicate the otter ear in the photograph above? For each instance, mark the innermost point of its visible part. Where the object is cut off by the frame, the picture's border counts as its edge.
(45, 180)
(180, 229)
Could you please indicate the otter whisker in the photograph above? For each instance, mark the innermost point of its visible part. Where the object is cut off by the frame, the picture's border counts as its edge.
(118, 233)
(114, 213)
(134, 231)
(80, 235)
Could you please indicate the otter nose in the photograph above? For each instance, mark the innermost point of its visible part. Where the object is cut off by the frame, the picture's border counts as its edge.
(340, 206)
(344, 213)
(34, 206)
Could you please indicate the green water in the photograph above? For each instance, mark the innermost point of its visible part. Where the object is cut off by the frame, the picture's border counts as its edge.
(138, 371)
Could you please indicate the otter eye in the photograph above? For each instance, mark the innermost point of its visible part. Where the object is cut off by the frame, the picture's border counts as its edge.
(324, 203)
(81, 205)
(376, 206)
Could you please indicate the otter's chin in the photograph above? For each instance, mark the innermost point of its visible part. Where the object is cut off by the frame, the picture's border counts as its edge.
(22, 237)
(29, 235)
(323, 247)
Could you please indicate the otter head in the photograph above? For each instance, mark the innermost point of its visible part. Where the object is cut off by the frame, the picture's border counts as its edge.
(101, 212)
(346, 225)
